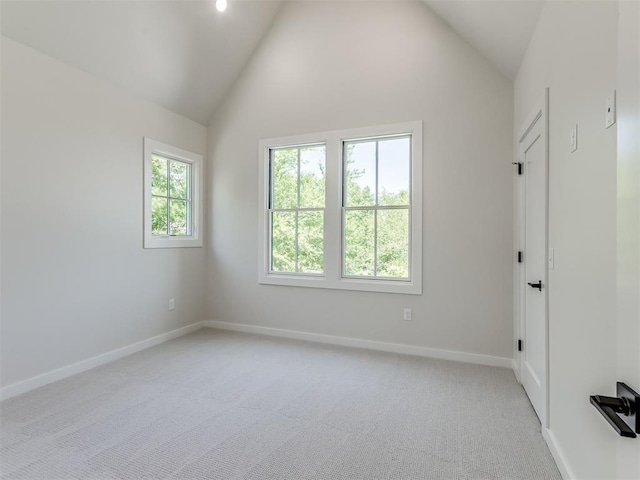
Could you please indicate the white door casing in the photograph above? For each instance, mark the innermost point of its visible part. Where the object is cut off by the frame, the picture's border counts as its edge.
(533, 235)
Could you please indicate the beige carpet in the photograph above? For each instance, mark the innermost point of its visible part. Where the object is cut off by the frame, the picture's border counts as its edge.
(222, 405)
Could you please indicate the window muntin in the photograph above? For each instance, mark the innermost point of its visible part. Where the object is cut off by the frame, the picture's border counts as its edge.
(376, 207)
(170, 197)
(296, 209)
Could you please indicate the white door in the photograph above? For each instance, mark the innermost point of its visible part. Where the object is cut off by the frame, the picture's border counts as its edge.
(533, 278)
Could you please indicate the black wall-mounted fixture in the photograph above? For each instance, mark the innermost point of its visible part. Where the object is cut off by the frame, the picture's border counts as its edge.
(622, 412)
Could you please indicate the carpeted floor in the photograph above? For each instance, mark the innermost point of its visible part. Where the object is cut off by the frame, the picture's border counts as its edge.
(223, 405)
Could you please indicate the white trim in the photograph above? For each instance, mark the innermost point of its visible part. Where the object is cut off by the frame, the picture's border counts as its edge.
(84, 365)
(539, 113)
(362, 343)
(556, 452)
(515, 367)
(195, 160)
(332, 277)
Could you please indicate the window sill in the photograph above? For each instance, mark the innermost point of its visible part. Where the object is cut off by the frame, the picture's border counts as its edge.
(172, 242)
(379, 286)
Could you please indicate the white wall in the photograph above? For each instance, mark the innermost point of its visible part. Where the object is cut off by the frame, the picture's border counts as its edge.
(334, 65)
(76, 281)
(628, 218)
(574, 53)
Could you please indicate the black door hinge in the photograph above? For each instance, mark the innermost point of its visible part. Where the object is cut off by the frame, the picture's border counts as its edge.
(519, 345)
(519, 167)
(520, 257)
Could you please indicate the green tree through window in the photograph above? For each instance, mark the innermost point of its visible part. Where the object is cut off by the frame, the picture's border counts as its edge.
(297, 204)
(376, 208)
(170, 196)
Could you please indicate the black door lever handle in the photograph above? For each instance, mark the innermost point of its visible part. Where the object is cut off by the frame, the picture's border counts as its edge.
(622, 412)
(536, 285)
(609, 407)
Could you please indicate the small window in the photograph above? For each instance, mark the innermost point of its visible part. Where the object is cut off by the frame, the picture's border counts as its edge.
(172, 196)
(296, 213)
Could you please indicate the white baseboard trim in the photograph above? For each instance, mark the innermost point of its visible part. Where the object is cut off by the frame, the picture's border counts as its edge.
(362, 343)
(84, 365)
(558, 455)
(516, 371)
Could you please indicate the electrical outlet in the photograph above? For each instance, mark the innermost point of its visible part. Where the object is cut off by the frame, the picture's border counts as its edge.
(172, 304)
(407, 314)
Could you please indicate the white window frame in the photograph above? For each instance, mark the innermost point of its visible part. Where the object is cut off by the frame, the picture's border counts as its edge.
(296, 210)
(154, 147)
(333, 230)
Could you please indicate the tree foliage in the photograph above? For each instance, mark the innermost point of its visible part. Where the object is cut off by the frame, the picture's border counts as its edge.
(297, 236)
(376, 238)
(169, 196)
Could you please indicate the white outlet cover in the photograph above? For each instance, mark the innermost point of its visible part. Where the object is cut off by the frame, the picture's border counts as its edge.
(611, 110)
(574, 138)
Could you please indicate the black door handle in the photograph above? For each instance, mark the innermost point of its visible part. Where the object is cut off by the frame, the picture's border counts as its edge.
(536, 285)
(622, 412)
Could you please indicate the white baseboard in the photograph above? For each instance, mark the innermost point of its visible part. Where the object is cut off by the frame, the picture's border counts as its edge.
(516, 371)
(558, 455)
(362, 343)
(84, 365)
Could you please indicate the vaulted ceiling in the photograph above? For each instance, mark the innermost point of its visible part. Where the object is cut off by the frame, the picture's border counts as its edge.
(185, 56)
(181, 54)
(499, 29)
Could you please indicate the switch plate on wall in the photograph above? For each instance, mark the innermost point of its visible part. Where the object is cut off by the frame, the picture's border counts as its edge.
(574, 138)
(611, 110)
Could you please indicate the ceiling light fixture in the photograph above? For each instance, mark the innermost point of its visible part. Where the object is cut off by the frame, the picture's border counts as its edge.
(221, 5)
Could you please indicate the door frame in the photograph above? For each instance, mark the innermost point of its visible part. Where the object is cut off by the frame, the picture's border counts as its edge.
(539, 112)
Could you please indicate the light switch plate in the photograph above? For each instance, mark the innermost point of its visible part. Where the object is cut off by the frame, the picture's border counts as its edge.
(574, 138)
(611, 110)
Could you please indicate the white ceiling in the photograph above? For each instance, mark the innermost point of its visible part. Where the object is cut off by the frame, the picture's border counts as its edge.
(181, 54)
(185, 56)
(499, 29)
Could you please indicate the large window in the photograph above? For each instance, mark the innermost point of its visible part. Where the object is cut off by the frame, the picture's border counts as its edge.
(172, 196)
(343, 209)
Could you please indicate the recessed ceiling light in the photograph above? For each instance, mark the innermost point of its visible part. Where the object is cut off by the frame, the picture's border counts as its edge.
(221, 5)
